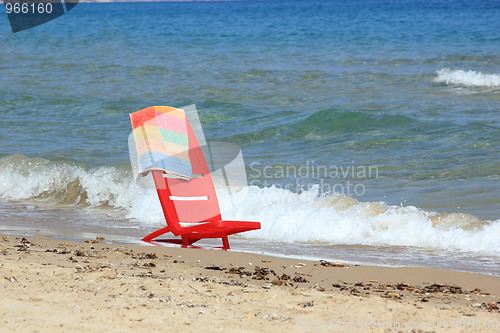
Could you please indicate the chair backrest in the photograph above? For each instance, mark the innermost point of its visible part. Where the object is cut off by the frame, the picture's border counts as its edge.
(189, 201)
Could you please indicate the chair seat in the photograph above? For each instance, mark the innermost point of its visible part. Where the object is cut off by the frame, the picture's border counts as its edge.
(216, 229)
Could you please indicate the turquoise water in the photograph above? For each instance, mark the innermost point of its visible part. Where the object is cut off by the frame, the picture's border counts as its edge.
(410, 89)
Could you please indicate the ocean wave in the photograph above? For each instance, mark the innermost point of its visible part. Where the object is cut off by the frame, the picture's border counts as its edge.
(60, 183)
(338, 219)
(467, 78)
(285, 216)
(326, 124)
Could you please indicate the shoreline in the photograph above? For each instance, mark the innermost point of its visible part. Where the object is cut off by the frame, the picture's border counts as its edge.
(70, 285)
(349, 254)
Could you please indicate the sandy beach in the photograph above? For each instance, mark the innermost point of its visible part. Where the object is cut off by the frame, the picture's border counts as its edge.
(51, 285)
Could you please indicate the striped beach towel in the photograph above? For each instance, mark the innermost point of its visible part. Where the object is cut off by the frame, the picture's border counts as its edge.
(161, 138)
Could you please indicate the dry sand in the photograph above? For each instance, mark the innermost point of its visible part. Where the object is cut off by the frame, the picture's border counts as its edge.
(60, 286)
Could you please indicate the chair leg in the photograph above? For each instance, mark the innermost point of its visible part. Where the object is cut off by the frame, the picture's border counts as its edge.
(225, 243)
(155, 234)
(185, 241)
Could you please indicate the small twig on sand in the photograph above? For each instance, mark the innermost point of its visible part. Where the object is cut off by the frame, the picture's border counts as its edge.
(199, 292)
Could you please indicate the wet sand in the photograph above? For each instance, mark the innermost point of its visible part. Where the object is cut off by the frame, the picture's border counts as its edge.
(60, 286)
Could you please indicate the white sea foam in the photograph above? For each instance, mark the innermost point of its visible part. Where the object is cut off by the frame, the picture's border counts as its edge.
(467, 78)
(39, 180)
(23, 178)
(337, 219)
(285, 216)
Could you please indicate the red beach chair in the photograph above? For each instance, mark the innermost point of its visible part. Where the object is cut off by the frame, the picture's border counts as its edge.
(194, 202)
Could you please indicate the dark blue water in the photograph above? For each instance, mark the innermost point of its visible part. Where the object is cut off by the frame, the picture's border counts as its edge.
(410, 89)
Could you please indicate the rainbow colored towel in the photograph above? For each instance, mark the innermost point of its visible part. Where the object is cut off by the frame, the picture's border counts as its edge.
(161, 138)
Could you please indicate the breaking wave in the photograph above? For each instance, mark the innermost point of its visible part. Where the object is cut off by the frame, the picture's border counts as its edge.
(467, 78)
(285, 216)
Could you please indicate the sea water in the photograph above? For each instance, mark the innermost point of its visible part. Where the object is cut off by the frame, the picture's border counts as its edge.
(370, 129)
